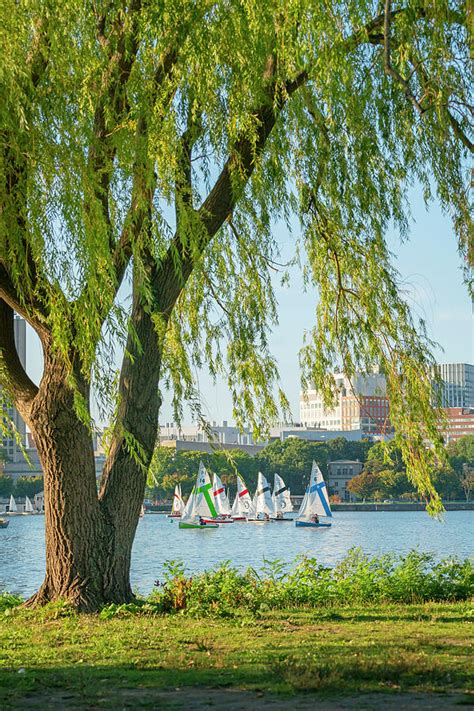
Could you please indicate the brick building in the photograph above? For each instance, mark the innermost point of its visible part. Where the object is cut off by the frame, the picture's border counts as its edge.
(460, 423)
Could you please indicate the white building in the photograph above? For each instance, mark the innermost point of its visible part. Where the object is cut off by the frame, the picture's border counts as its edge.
(223, 434)
(361, 404)
(314, 434)
(340, 473)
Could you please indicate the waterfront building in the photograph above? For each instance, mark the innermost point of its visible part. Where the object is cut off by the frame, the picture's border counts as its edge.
(222, 434)
(460, 423)
(457, 384)
(181, 445)
(313, 434)
(340, 472)
(361, 404)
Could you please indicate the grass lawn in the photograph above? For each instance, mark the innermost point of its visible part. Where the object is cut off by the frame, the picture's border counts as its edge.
(362, 657)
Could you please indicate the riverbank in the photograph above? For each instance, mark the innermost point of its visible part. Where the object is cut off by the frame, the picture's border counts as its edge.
(401, 656)
(357, 506)
(401, 506)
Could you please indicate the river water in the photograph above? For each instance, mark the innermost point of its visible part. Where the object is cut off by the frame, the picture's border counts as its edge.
(159, 539)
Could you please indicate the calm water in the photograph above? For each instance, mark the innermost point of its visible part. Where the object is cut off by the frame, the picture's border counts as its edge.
(159, 539)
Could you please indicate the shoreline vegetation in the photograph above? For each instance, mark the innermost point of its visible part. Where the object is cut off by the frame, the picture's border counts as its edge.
(226, 591)
(390, 629)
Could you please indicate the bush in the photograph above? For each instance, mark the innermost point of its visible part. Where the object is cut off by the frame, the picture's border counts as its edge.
(7, 601)
(413, 578)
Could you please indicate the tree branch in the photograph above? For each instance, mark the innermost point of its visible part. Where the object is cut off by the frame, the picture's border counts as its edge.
(173, 272)
(122, 47)
(143, 188)
(13, 376)
(389, 69)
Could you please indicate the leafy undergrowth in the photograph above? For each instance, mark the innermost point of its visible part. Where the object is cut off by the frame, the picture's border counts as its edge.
(227, 592)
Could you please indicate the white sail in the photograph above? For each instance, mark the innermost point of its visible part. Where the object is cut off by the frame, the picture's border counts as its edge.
(28, 505)
(13, 507)
(243, 502)
(281, 496)
(221, 502)
(316, 499)
(263, 496)
(178, 503)
(252, 513)
(188, 510)
(204, 500)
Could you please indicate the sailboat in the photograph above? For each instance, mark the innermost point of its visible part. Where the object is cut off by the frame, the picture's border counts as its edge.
(242, 502)
(281, 499)
(200, 503)
(221, 502)
(178, 503)
(28, 506)
(315, 502)
(262, 504)
(12, 507)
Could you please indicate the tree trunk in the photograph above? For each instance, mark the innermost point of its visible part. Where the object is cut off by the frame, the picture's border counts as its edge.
(125, 472)
(73, 522)
(89, 537)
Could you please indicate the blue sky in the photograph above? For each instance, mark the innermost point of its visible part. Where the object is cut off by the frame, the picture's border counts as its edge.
(431, 270)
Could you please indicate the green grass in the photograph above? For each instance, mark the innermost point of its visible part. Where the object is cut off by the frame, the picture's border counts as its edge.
(55, 658)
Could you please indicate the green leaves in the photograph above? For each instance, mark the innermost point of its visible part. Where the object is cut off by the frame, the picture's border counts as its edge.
(179, 133)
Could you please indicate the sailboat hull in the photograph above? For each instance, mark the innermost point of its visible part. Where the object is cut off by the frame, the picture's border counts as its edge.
(3, 523)
(288, 520)
(217, 520)
(311, 524)
(204, 526)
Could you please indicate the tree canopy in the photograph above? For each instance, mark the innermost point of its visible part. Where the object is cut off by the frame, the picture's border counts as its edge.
(147, 150)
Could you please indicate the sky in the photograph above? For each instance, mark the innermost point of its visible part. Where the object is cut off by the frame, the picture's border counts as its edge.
(431, 272)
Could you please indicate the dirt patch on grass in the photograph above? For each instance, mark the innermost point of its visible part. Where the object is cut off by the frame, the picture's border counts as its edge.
(198, 699)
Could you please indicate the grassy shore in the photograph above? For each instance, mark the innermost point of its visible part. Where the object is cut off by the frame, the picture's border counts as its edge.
(363, 655)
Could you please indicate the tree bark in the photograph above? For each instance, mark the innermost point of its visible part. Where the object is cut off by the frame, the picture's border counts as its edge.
(73, 524)
(125, 472)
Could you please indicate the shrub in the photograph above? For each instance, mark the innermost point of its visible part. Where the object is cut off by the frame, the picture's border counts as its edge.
(413, 578)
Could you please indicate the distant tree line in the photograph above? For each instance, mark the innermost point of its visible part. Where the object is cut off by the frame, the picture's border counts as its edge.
(23, 486)
(292, 459)
(383, 476)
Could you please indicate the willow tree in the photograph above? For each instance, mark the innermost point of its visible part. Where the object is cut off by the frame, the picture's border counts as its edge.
(147, 151)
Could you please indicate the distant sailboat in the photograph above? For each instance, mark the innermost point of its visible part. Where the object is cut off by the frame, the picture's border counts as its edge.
(178, 503)
(262, 505)
(200, 503)
(281, 499)
(12, 508)
(242, 502)
(221, 501)
(315, 502)
(28, 506)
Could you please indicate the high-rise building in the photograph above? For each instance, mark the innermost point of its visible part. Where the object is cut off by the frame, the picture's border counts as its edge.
(361, 404)
(12, 447)
(457, 384)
